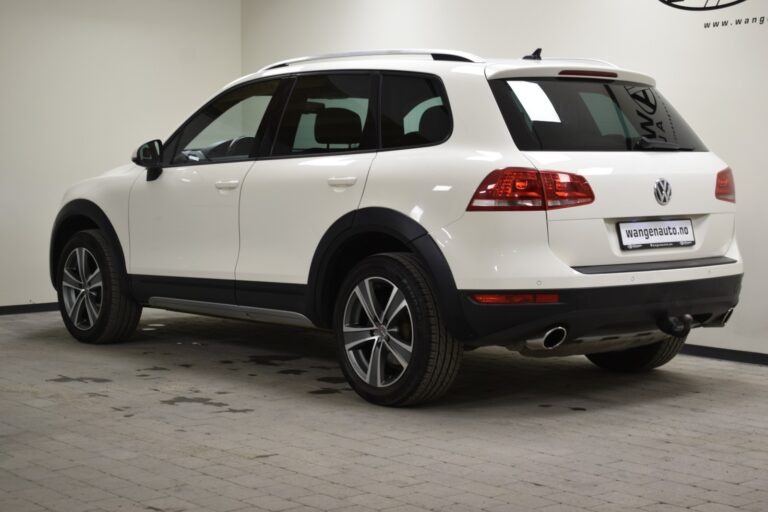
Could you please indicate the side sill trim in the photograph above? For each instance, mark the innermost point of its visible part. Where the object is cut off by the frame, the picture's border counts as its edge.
(655, 265)
(273, 316)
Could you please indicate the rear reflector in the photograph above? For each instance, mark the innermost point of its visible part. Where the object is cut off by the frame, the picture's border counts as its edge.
(520, 189)
(585, 72)
(516, 298)
(725, 186)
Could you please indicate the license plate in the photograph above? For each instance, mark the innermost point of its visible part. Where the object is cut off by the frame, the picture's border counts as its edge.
(656, 234)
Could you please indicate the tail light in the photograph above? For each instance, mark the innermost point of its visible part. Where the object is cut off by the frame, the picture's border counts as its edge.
(519, 189)
(725, 186)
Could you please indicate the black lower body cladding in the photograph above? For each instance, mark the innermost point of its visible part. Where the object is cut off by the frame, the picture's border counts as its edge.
(604, 310)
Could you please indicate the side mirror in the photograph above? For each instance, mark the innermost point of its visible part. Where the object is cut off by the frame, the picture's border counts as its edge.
(150, 156)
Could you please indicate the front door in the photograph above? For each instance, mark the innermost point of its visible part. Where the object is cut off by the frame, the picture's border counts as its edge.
(184, 226)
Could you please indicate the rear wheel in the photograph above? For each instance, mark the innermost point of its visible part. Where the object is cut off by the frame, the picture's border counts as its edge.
(394, 347)
(639, 359)
(93, 298)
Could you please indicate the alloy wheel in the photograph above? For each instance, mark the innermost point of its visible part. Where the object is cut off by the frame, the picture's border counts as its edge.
(82, 288)
(378, 332)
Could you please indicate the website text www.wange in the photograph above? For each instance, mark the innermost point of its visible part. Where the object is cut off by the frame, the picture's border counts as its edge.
(737, 22)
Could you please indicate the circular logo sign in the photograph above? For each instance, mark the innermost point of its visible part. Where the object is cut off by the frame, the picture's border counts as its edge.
(700, 5)
(662, 190)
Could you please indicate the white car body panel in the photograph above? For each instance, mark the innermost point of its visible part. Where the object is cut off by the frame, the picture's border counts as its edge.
(110, 192)
(287, 205)
(511, 252)
(185, 224)
(623, 183)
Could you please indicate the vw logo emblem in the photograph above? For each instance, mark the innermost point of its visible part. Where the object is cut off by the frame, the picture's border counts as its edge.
(662, 191)
(700, 5)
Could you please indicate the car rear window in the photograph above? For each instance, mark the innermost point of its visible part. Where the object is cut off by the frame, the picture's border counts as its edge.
(560, 114)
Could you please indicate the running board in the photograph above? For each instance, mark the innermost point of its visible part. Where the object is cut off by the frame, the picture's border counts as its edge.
(272, 316)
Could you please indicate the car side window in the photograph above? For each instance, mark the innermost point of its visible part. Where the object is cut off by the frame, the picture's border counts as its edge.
(327, 114)
(414, 111)
(227, 128)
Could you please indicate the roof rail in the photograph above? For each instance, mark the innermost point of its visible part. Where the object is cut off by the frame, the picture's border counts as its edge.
(435, 54)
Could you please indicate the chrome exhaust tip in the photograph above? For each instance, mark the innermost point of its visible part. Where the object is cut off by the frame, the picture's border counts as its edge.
(553, 338)
(727, 316)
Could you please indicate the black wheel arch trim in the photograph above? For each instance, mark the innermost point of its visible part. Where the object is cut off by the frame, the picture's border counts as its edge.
(385, 221)
(89, 210)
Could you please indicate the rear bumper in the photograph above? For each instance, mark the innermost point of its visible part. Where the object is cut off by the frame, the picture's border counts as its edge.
(602, 310)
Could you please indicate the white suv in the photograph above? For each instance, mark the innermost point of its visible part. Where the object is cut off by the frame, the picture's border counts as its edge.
(418, 203)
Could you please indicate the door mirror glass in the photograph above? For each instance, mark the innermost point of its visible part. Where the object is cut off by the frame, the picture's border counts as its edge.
(149, 154)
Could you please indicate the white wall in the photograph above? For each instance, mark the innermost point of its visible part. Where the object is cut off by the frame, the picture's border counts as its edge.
(715, 77)
(82, 83)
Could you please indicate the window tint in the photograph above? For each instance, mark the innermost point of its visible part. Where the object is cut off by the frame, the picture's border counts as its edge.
(588, 115)
(327, 114)
(227, 128)
(413, 111)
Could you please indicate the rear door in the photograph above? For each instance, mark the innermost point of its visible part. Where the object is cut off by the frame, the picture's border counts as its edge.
(653, 180)
(316, 174)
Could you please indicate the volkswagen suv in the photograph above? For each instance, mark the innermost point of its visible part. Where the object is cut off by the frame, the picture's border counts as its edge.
(418, 203)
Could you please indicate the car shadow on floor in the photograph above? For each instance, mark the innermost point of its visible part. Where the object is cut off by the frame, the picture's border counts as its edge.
(284, 360)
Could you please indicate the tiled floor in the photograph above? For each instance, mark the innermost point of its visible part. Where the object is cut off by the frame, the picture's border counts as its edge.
(210, 415)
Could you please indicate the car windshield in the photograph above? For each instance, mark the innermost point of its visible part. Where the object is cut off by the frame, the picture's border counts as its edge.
(561, 114)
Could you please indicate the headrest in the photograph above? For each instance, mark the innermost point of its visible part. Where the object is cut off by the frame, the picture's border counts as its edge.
(338, 126)
(435, 124)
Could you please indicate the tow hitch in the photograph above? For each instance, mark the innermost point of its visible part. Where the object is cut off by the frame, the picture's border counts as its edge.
(677, 326)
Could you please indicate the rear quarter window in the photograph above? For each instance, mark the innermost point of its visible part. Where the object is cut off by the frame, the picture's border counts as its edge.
(414, 111)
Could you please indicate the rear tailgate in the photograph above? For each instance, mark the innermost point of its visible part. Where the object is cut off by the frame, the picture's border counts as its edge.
(624, 184)
(653, 179)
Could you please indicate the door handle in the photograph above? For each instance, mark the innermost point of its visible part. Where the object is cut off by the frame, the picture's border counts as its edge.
(227, 184)
(346, 181)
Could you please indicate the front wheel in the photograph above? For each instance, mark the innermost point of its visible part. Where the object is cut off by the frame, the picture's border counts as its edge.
(639, 359)
(393, 345)
(93, 298)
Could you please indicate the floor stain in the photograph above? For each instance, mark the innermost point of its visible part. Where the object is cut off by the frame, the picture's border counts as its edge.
(102, 395)
(236, 410)
(333, 380)
(64, 378)
(153, 369)
(323, 367)
(197, 400)
(264, 456)
(272, 359)
(545, 405)
(226, 361)
(324, 391)
(185, 365)
(292, 372)
(577, 408)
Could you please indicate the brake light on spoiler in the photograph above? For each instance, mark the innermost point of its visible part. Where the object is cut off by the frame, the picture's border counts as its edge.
(589, 73)
(521, 189)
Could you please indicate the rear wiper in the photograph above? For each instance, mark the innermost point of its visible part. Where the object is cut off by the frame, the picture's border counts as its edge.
(648, 144)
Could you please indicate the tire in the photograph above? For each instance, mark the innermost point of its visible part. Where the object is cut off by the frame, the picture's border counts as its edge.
(101, 311)
(403, 298)
(639, 359)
